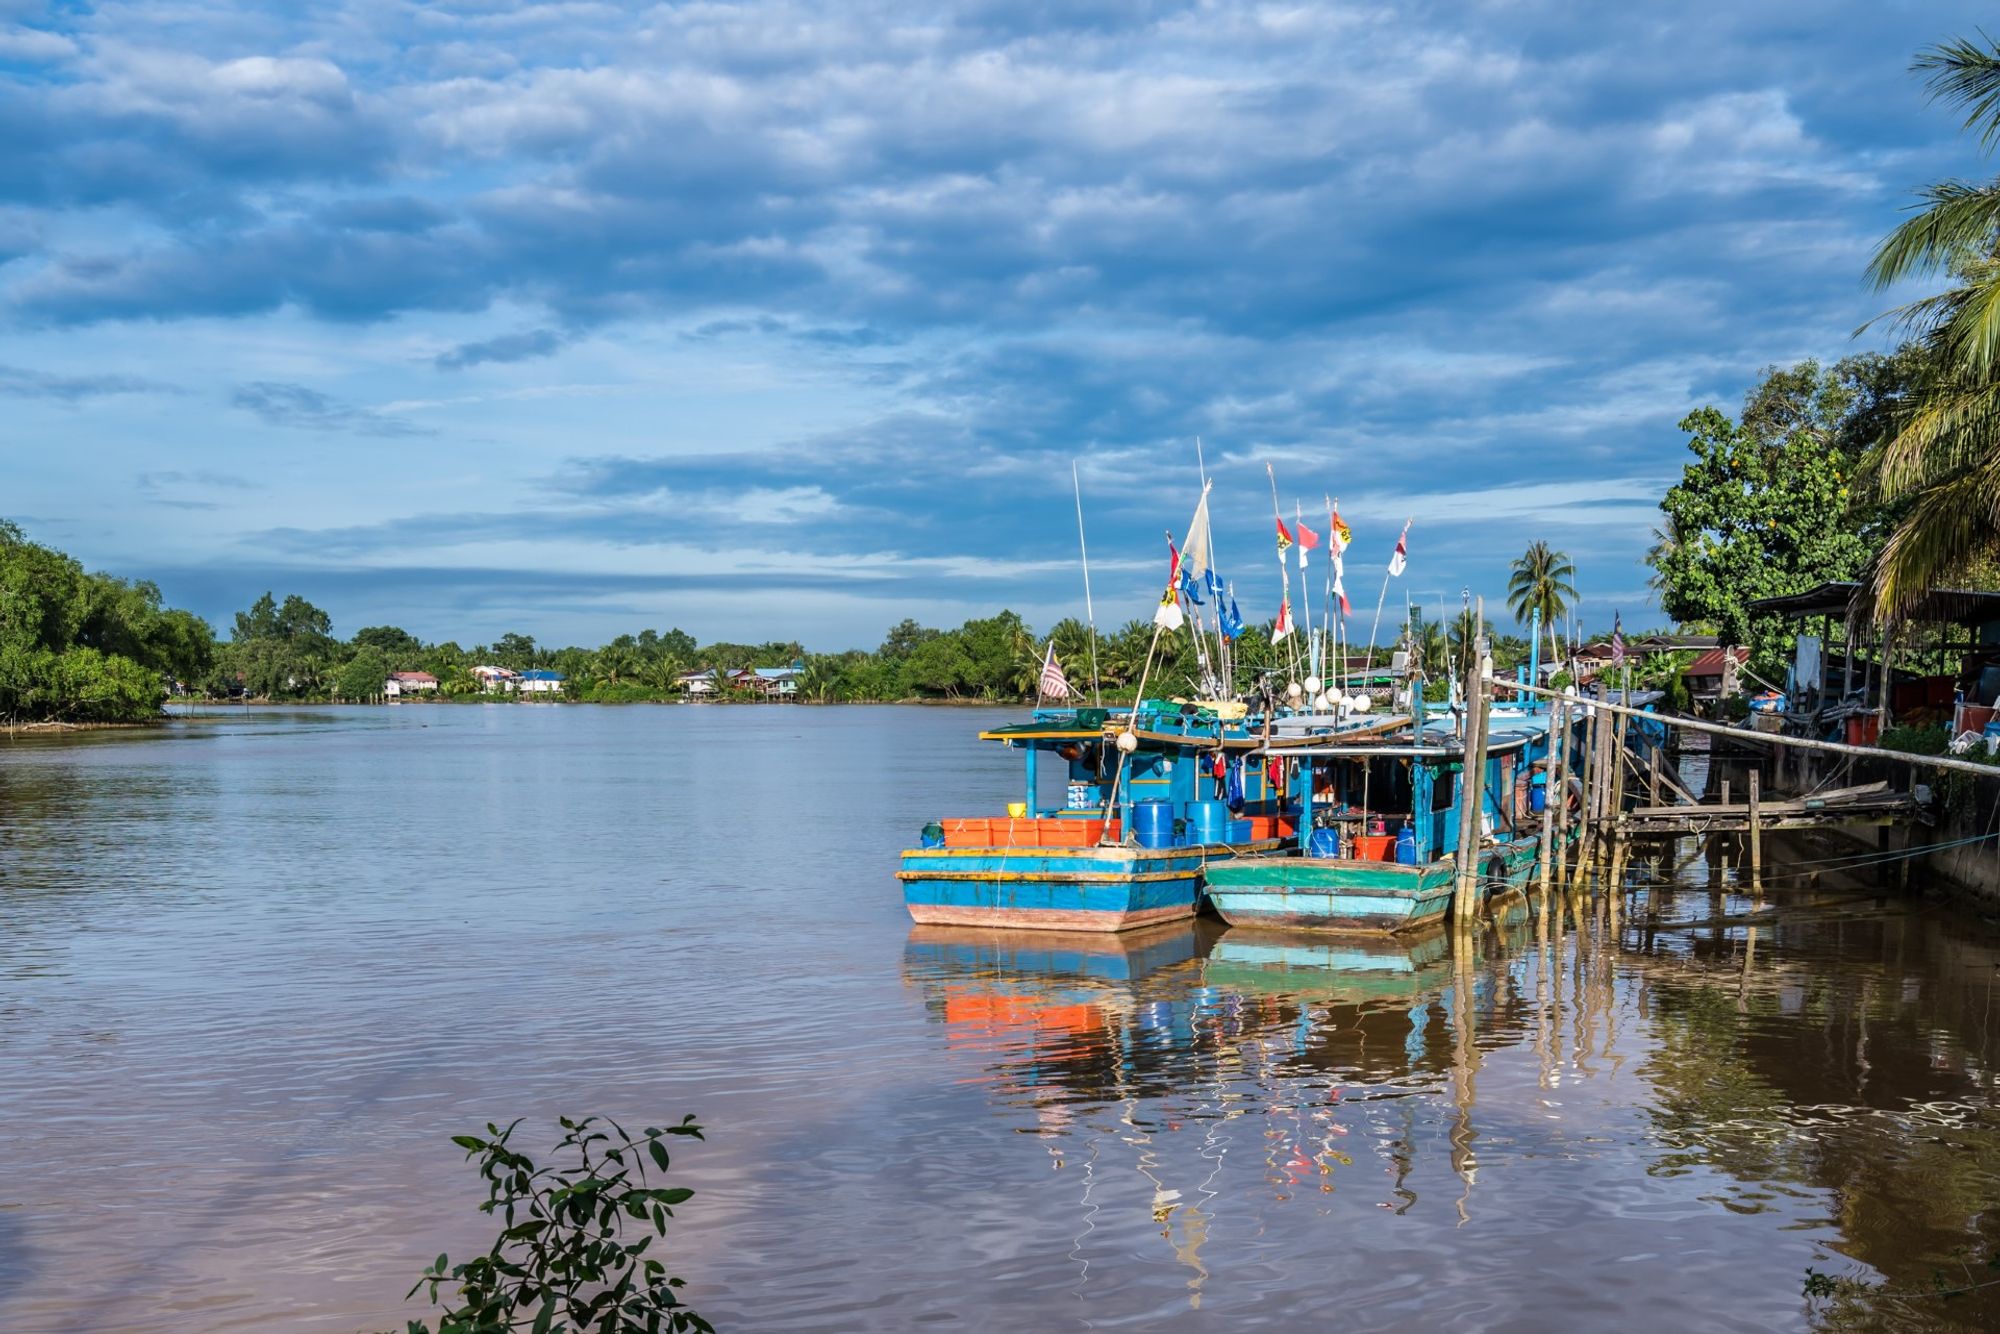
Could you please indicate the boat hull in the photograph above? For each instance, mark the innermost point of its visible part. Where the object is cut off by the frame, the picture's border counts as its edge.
(1059, 889)
(1343, 895)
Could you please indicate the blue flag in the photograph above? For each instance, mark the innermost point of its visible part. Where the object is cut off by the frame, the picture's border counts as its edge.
(1189, 589)
(1214, 583)
(1232, 619)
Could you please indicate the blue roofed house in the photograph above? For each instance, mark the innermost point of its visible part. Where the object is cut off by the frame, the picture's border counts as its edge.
(540, 683)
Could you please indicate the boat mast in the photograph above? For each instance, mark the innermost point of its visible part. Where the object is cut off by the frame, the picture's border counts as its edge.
(1089, 612)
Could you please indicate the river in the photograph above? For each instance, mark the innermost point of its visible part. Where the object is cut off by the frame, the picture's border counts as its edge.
(256, 969)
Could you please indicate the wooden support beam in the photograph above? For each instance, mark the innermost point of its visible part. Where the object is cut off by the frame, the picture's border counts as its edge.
(1756, 839)
(1779, 738)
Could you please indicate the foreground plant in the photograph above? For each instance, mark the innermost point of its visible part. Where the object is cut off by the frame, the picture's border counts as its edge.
(561, 1262)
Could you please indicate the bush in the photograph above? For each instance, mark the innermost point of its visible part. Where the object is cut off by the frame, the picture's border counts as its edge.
(560, 1262)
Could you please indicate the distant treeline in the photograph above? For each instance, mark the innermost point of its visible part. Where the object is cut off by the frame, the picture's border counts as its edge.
(92, 648)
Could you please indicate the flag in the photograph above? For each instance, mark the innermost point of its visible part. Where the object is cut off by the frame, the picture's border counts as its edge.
(1284, 539)
(1195, 547)
(1401, 559)
(1214, 582)
(1617, 640)
(1230, 617)
(1340, 584)
(1308, 539)
(1168, 616)
(1054, 684)
(1189, 589)
(1337, 530)
(1282, 627)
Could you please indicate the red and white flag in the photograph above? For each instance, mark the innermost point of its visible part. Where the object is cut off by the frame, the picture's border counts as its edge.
(1401, 560)
(1054, 684)
(1308, 539)
(1283, 626)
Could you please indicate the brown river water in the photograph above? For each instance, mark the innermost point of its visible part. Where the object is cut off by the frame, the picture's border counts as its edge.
(255, 970)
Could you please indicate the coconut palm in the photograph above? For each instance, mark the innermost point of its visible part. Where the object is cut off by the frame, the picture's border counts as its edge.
(1666, 545)
(1943, 461)
(1544, 580)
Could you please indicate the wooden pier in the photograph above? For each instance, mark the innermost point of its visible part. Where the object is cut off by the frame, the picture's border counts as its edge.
(1623, 801)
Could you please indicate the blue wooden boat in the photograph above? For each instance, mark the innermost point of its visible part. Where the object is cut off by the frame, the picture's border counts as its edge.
(1377, 840)
(1129, 843)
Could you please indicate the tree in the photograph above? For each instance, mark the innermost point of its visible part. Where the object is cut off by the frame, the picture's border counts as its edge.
(86, 647)
(1941, 466)
(362, 676)
(281, 649)
(1543, 581)
(396, 644)
(1765, 508)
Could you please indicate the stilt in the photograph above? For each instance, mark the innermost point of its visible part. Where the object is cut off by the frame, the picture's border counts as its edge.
(1471, 791)
(1756, 834)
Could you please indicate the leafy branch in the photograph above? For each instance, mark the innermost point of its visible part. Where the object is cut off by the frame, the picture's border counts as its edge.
(561, 1262)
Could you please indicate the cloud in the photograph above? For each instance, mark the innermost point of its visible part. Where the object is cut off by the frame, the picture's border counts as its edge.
(507, 347)
(297, 406)
(24, 383)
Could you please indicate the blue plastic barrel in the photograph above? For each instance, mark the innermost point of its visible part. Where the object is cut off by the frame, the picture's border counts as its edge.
(1538, 798)
(1406, 844)
(1208, 822)
(1323, 843)
(1153, 823)
(1239, 831)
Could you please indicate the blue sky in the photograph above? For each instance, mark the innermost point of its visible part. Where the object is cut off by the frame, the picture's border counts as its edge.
(788, 319)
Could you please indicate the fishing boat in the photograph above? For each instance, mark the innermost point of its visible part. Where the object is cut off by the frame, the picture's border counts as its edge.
(1376, 841)
(1152, 797)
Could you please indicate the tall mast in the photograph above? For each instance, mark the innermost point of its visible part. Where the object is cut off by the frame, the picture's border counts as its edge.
(1089, 612)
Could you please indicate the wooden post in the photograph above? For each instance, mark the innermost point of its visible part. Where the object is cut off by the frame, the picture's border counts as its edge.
(1471, 789)
(1756, 836)
(1725, 789)
(1551, 794)
(1589, 809)
(1653, 779)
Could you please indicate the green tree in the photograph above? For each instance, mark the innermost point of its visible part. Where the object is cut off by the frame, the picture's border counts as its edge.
(1941, 466)
(362, 676)
(1544, 581)
(396, 644)
(281, 649)
(1765, 508)
(85, 647)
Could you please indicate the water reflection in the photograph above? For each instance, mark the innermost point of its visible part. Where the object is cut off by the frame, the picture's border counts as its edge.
(243, 1001)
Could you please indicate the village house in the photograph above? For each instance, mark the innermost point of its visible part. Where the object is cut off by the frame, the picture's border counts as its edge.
(698, 684)
(770, 682)
(400, 684)
(495, 679)
(540, 683)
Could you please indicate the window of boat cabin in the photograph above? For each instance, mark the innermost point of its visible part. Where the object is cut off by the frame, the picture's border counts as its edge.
(1444, 782)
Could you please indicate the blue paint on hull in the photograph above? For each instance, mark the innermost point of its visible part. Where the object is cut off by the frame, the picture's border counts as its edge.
(1062, 889)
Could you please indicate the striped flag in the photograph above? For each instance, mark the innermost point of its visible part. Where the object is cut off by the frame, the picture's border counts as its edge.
(1617, 640)
(1054, 684)
(1401, 560)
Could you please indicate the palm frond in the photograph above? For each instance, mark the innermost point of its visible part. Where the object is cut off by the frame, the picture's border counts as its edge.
(1967, 74)
(1959, 223)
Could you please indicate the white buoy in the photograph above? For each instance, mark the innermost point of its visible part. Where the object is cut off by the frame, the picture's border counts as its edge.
(1321, 704)
(1293, 691)
(1361, 703)
(1313, 685)
(1127, 742)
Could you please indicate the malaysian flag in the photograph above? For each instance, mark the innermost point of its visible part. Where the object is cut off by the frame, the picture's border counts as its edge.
(1054, 684)
(1617, 640)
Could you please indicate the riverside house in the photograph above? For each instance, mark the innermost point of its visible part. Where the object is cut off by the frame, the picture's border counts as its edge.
(494, 680)
(400, 684)
(540, 683)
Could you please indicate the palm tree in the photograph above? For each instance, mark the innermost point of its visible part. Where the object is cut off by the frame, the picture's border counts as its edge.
(1666, 545)
(1943, 461)
(1544, 580)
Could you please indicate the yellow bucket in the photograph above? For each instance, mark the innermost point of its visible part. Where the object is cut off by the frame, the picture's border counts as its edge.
(1017, 809)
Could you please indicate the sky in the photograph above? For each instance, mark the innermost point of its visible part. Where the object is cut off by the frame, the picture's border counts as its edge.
(788, 320)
